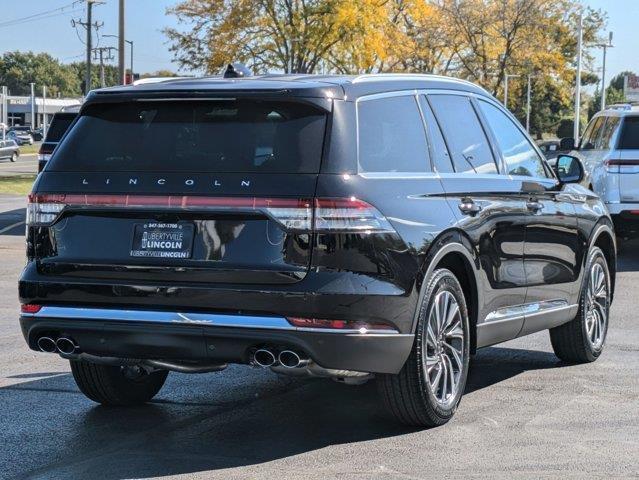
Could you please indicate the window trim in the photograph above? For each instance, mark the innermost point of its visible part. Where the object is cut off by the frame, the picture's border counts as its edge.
(429, 161)
(518, 126)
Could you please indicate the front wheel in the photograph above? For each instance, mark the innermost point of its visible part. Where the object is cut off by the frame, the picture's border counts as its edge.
(14, 156)
(427, 391)
(582, 339)
(116, 386)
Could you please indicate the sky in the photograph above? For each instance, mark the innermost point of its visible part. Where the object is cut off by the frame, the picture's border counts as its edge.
(145, 20)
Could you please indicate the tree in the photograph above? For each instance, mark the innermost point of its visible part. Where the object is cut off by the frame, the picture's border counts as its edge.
(18, 69)
(614, 94)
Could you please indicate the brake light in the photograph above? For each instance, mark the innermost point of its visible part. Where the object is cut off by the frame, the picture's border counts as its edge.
(320, 323)
(45, 152)
(30, 308)
(615, 166)
(329, 214)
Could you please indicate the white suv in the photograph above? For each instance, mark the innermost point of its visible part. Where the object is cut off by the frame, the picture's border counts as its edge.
(609, 149)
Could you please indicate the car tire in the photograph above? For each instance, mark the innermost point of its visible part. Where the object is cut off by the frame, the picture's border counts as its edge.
(14, 157)
(420, 394)
(116, 386)
(582, 339)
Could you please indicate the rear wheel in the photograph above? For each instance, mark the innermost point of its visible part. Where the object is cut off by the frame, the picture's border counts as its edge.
(582, 339)
(110, 385)
(427, 391)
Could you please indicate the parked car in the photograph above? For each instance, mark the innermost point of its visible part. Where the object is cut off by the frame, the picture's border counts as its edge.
(9, 149)
(20, 137)
(609, 150)
(36, 134)
(551, 149)
(335, 226)
(60, 123)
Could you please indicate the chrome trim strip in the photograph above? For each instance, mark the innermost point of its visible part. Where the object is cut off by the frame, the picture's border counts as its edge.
(189, 318)
(517, 312)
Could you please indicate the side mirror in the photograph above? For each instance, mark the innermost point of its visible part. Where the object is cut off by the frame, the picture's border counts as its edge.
(567, 144)
(569, 169)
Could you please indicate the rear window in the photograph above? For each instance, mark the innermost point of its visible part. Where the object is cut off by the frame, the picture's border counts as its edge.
(60, 123)
(244, 136)
(629, 139)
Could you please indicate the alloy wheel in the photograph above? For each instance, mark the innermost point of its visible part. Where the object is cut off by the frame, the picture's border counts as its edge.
(443, 348)
(597, 303)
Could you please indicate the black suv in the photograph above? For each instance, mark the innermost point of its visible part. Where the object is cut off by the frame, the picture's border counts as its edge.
(335, 226)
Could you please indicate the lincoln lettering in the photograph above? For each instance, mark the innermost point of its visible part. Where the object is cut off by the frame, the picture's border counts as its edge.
(163, 240)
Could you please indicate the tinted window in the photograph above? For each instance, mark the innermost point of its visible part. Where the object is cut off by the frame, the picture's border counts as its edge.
(519, 155)
(607, 133)
(60, 123)
(464, 134)
(391, 136)
(592, 133)
(629, 139)
(441, 158)
(213, 136)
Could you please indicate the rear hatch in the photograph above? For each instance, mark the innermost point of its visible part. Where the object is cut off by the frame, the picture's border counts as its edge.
(628, 160)
(217, 190)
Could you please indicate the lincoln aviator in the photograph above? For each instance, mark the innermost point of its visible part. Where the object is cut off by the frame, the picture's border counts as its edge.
(349, 227)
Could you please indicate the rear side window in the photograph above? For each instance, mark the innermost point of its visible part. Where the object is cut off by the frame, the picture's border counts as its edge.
(441, 157)
(607, 134)
(629, 139)
(519, 155)
(391, 136)
(591, 135)
(244, 136)
(464, 134)
(59, 125)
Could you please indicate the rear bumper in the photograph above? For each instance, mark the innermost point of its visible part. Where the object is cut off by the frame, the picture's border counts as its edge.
(213, 337)
(618, 208)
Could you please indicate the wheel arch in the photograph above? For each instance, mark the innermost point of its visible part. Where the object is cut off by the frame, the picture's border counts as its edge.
(603, 237)
(453, 250)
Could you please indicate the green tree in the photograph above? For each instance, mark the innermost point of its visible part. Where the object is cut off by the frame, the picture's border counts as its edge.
(18, 69)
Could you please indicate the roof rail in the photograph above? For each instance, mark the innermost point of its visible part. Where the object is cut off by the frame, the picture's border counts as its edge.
(144, 81)
(620, 106)
(369, 77)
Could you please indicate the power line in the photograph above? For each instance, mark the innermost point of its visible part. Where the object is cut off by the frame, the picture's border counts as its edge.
(42, 15)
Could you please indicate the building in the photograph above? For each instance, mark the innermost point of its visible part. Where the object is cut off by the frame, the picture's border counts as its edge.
(18, 109)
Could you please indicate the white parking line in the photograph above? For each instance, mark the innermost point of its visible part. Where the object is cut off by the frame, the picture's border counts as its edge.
(10, 227)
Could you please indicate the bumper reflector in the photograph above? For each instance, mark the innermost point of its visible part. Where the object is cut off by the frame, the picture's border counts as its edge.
(30, 308)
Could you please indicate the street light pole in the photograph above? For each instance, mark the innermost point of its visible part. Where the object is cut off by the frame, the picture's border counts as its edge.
(528, 106)
(605, 47)
(130, 42)
(506, 77)
(121, 67)
(578, 79)
(33, 125)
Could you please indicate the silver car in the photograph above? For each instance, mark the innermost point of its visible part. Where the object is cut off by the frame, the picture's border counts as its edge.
(609, 150)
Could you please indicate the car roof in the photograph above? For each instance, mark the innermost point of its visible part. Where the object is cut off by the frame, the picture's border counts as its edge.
(620, 110)
(347, 87)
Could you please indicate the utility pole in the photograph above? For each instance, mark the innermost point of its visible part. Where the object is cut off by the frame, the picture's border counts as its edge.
(121, 66)
(33, 123)
(99, 53)
(89, 25)
(506, 77)
(605, 47)
(578, 79)
(130, 42)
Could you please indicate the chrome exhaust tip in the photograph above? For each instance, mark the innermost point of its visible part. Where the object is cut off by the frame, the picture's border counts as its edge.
(66, 345)
(290, 359)
(264, 358)
(47, 344)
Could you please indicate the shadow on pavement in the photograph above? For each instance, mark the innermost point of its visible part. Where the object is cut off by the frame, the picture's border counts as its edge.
(628, 256)
(230, 425)
(12, 222)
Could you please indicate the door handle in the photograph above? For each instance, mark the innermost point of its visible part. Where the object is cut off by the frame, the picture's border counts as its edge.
(469, 207)
(534, 205)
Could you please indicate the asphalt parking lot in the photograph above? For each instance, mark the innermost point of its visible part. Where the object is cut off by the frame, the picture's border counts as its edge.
(524, 413)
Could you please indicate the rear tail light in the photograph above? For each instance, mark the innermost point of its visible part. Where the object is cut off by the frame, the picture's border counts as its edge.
(324, 214)
(617, 166)
(343, 325)
(45, 152)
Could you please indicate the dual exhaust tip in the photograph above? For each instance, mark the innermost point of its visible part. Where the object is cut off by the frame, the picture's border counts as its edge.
(264, 357)
(62, 345)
